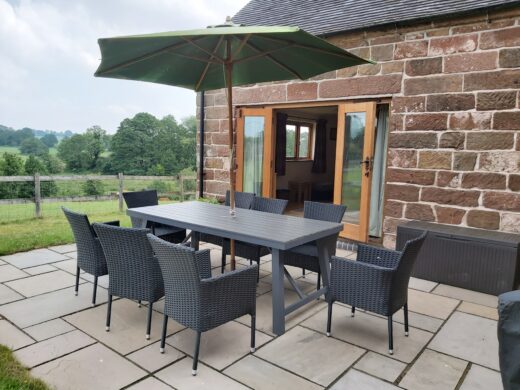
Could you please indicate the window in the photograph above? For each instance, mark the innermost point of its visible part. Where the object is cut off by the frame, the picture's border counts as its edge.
(299, 141)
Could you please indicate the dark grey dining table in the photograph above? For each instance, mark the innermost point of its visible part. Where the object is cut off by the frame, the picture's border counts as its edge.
(280, 233)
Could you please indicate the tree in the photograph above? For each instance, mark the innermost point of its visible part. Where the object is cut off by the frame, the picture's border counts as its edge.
(33, 146)
(52, 163)
(49, 140)
(11, 165)
(82, 152)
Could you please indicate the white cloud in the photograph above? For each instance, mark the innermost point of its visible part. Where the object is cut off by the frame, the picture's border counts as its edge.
(49, 53)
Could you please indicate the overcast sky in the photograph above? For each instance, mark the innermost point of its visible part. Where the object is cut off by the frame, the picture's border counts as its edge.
(49, 52)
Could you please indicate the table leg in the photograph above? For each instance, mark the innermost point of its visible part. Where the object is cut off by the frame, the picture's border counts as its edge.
(195, 237)
(138, 222)
(278, 292)
(326, 249)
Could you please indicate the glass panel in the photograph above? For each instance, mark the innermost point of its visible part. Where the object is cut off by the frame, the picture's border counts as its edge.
(303, 151)
(253, 154)
(352, 168)
(290, 140)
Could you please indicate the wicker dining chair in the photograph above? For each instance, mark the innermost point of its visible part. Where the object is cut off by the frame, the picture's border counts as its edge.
(149, 198)
(377, 281)
(90, 257)
(195, 299)
(243, 200)
(133, 271)
(251, 251)
(306, 256)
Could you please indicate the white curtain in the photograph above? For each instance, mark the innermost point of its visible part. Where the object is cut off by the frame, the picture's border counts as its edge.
(378, 173)
(253, 154)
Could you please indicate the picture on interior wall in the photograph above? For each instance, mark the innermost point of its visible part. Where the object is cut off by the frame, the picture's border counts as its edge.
(333, 133)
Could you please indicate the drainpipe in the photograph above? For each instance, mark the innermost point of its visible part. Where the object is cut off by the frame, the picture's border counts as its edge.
(201, 148)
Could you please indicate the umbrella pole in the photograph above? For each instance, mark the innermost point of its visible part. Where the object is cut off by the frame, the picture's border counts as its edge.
(229, 73)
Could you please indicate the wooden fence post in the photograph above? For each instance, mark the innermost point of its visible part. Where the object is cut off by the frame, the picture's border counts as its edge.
(120, 194)
(181, 180)
(37, 195)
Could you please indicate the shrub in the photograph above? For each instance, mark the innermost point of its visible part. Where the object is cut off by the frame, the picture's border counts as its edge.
(93, 187)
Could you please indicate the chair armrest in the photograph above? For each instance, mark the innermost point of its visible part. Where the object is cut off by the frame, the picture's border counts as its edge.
(233, 292)
(113, 223)
(378, 256)
(353, 282)
(203, 259)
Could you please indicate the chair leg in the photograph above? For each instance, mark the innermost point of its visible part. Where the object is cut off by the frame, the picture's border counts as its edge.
(318, 283)
(390, 336)
(303, 272)
(405, 311)
(139, 303)
(109, 312)
(223, 264)
(149, 320)
(353, 311)
(94, 292)
(253, 330)
(196, 355)
(329, 318)
(163, 335)
(77, 281)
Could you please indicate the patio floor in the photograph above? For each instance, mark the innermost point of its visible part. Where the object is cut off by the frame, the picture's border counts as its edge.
(452, 342)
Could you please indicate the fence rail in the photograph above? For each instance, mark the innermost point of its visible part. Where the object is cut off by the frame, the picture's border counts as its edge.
(38, 200)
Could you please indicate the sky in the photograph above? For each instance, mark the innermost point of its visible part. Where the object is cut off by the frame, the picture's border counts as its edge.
(49, 52)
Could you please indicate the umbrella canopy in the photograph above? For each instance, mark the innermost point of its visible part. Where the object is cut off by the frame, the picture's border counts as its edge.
(196, 59)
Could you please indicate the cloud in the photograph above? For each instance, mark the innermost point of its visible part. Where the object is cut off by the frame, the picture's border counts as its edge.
(49, 53)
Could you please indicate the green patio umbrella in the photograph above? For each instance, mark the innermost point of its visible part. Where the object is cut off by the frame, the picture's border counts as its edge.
(221, 57)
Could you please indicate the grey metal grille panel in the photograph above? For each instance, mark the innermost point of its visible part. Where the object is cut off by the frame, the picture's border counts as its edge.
(324, 17)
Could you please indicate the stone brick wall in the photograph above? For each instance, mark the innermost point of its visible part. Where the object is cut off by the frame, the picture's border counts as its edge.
(454, 145)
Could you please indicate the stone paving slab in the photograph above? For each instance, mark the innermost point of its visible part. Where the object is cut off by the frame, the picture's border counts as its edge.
(45, 307)
(481, 378)
(261, 375)
(357, 380)
(8, 295)
(221, 346)
(152, 360)
(380, 366)
(94, 367)
(311, 355)
(150, 384)
(479, 310)
(63, 248)
(467, 295)
(34, 258)
(48, 329)
(434, 371)
(40, 269)
(430, 304)
(422, 285)
(9, 272)
(127, 326)
(43, 283)
(12, 337)
(53, 348)
(68, 265)
(469, 337)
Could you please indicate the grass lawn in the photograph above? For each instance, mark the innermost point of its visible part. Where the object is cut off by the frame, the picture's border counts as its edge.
(19, 231)
(13, 376)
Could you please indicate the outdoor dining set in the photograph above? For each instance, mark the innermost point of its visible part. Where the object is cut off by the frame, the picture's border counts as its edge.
(157, 258)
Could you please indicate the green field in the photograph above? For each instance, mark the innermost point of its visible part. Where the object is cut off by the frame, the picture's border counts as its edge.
(15, 150)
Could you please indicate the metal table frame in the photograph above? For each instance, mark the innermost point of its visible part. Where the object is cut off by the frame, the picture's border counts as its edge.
(277, 232)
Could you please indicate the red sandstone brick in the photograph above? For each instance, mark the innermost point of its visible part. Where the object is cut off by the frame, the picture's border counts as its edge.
(369, 85)
(386, 39)
(482, 219)
(508, 120)
(302, 91)
(450, 102)
(411, 49)
(434, 84)
(482, 26)
(470, 62)
(435, 159)
(405, 193)
(369, 69)
(452, 140)
(426, 122)
(500, 79)
(423, 66)
(500, 38)
(450, 215)
(410, 176)
(507, 201)
(501, 100)
(413, 140)
(382, 52)
(453, 44)
(402, 158)
(448, 179)
(396, 122)
(393, 209)
(445, 196)
(392, 67)
(489, 140)
(408, 104)
(264, 94)
(491, 181)
(418, 211)
(514, 183)
(509, 58)
(470, 121)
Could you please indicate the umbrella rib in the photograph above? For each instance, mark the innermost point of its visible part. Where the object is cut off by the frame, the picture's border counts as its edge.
(192, 42)
(241, 46)
(274, 60)
(144, 57)
(206, 68)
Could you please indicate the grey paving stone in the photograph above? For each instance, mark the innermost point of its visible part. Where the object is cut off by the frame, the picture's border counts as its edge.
(53, 348)
(420, 321)
(261, 375)
(33, 258)
(45, 307)
(94, 367)
(9, 272)
(48, 329)
(469, 337)
(68, 265)
(40, 269)
(150, 384)
(43, 283)
(102, 280)
(221, 346)
(430, 304)
(2, 262)
(12, 337)
(479, 310)
(371, 332)
(63, 248)
(357, 380)
(434, 371)
(422, 284)
(381, 366)
(152, 360)
(8, 295)
(467, 295)
(178, 375)
(481, 378)
(127, 326)
(310, 354)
